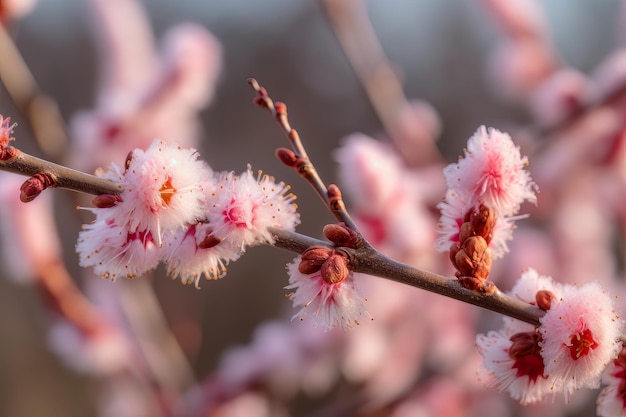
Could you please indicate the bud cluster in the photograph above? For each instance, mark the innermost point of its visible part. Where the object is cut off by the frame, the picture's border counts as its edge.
(472, 256)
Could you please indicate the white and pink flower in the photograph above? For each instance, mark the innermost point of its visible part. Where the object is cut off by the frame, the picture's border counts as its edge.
(338, 304)
(579, 337)
(491, 174)
(241, 209)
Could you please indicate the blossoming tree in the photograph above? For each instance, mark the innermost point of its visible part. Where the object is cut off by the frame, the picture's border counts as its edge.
(410, 220)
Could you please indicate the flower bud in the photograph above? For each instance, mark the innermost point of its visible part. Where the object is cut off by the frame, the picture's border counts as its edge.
(483, 221)
(106, 200)
(32, 187)
(335, 269)
(313, 259)
(544, 299)
(479, 254)
(340, 235)
(465, 232)
(287, 157)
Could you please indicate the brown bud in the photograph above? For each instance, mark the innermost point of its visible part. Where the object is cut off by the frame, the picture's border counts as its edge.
(524, 344)
(482, 266)
(281, 108)
(32, 187)
(106, 200)
(465, 231)
(454, 249)
(335, 269)
(287, 157)
(463, 263)
(544, 299)
(483, 220)
(340, 235)
(313, 259)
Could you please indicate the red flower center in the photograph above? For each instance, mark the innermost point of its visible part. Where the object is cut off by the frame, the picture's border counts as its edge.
(529, 365)
(581, 344)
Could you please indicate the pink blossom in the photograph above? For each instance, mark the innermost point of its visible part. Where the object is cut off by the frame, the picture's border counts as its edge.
(162, 190)
(390, 200)
(558, 96)
(612, 399)
(512, 359)
(142, 93)
(193, 252)
(102, 352)
(530, 282)
(22, 254)
(115, 251)
(522, 375)
(518, 18)
(492, 173)
(330, 305)
(579, 337)
(12, 9)
(241, 209)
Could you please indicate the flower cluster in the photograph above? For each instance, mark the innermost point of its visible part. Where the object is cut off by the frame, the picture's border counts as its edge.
(174, 208)
(485, 191)
(577, 339)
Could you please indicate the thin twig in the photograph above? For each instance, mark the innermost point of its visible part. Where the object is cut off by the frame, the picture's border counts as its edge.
(25, 164)
(302, 164)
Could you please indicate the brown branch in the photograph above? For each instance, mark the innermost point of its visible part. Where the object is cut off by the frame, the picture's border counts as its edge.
(63, 177)
(371, 262)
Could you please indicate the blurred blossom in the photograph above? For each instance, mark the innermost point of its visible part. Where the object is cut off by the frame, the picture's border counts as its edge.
(611, 401)
(518, 18)
(388, 198)
(28, 231)
(608, 77)
(102, 353)
(558, 97)
(14, 9)
(517, 68)
(142, 95)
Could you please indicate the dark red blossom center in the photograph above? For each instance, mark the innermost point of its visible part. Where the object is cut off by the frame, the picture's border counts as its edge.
(530, 366)
(581, 343)
(525, 351)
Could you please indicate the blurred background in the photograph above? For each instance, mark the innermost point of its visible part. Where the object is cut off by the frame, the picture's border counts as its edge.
(438, 48)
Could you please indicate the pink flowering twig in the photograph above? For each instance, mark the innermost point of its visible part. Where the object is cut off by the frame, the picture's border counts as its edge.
(365, 259)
